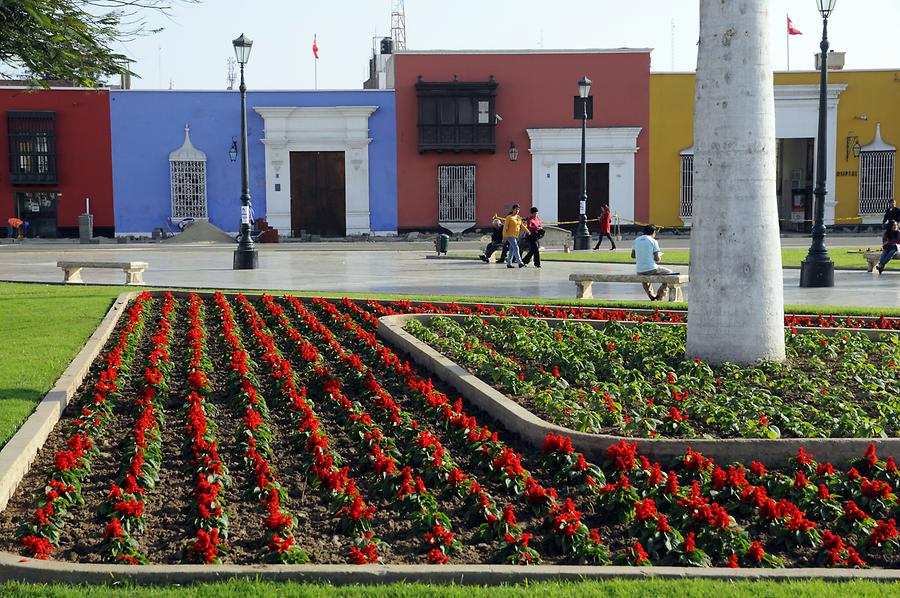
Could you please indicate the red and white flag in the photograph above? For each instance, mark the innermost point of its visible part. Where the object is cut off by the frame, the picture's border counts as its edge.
(315, 48)
(791, 30)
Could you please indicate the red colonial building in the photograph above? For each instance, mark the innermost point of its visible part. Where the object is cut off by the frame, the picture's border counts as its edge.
(55, 152)
(479, 131)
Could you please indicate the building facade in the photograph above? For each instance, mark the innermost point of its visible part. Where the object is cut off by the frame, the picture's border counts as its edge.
(863, 129)
(321, 163)
(55, 159)
(479, 131)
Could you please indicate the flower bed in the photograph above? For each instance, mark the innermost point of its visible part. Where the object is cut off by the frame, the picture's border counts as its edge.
(633, 380)
(281, 430)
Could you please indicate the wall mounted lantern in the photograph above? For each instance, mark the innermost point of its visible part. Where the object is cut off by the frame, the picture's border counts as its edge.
(233, 151)
(513, 151)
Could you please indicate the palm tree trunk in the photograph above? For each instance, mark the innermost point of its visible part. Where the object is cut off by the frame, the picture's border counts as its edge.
(736, 308)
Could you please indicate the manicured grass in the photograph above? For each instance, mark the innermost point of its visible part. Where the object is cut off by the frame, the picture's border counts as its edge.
(609, 588)
(848, 258)
(43, 328)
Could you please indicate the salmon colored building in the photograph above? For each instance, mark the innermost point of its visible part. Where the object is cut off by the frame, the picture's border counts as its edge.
(479, 131)
(55, 151)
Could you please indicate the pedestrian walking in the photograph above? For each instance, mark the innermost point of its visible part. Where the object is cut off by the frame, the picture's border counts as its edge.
(892, 213)
(512, 228)
(604, 228)
(535, 230)
(890, 244)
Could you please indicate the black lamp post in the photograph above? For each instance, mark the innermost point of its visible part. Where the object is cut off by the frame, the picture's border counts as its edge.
(582, 236)
(245, 256)
(817, 270)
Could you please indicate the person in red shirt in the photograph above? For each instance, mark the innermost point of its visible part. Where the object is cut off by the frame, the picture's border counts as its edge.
(604, 228)
(535, 230)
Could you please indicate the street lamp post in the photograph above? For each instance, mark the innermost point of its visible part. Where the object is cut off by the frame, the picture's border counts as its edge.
(817, 270)
(582, 236)
(245, 256)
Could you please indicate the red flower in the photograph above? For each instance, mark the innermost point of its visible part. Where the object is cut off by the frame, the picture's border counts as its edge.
(554, 443)
(689, 543)
(639, 554)
(733, 562)
(39, 548)
(676, 415)
(662, 524)
(622, 455)
(436, 556)
(875, 488)
(756, 553)
(853, 513)
(870, 456)
(113, 529)
(883, 532)
(645, 510)
(64, 461)
(763, 420)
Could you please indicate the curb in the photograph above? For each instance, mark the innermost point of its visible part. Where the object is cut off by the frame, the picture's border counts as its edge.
(532, 429)
(13, 567)
(18, 454)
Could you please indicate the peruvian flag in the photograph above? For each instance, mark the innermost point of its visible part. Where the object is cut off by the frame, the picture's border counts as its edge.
(791, 30)
(316, 47)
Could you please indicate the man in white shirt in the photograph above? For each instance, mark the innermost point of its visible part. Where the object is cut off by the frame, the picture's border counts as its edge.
(647, 255)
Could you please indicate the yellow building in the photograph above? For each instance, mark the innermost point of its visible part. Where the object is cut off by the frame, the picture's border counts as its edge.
(861, 176)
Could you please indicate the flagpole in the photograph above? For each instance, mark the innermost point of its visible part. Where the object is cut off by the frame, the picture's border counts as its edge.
(316, 65)
(787, 38)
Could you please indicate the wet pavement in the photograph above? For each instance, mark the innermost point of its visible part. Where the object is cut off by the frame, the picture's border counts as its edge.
(389, 267)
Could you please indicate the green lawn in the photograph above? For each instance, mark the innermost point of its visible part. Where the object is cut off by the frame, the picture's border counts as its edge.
(43, 327)
(848, 258)
(608, 588)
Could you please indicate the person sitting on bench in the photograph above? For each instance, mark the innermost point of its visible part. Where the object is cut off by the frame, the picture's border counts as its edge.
(647, 255)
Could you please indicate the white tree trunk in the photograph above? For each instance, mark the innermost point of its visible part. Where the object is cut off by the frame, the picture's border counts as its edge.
(736, 307)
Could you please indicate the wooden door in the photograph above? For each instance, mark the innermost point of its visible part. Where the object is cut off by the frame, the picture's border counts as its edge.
(318, 194)
(569, 190)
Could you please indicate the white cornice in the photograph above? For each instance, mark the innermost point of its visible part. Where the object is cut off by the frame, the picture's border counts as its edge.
(807, 92)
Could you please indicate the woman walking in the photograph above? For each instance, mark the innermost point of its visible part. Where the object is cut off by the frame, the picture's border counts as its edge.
(512, 227)
(604, 228)
(535, 231)
(890, 244)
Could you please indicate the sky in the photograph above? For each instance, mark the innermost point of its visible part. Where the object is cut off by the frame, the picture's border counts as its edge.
(192, 50)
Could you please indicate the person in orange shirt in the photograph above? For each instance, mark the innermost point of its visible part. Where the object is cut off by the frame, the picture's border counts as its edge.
(14, 226)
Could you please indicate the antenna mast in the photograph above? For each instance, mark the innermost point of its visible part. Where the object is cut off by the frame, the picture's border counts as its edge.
(231, 77)
(398, 25)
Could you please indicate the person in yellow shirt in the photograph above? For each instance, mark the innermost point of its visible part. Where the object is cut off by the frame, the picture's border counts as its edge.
(512, 227)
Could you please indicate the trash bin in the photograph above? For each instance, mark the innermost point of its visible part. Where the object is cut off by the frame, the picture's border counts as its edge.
(442, 243)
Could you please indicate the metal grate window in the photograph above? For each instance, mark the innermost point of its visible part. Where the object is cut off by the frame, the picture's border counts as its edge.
(686, 209)
(32, 147)
(876, 181)
(188, 180)
(456, 195)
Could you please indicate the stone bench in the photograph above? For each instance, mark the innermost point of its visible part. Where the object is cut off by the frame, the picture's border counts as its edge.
(134, 271)
(583, 282)
(872, 258)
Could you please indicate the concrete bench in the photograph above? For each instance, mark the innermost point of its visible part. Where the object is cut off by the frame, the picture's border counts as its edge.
(873, 257)
(583, 282)
(134, 271)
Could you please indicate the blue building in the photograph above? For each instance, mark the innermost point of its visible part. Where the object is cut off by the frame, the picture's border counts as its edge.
(321, 162)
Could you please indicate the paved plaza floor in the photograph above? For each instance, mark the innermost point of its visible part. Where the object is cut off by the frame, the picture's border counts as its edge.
(386, 268)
